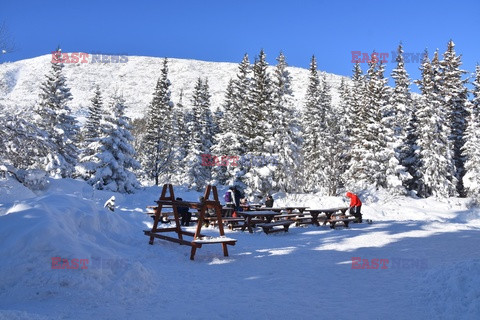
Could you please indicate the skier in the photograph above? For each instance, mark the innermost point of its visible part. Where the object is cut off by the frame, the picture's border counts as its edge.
(355, 206)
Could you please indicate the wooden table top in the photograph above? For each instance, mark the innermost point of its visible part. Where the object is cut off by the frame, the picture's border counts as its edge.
(327, 210)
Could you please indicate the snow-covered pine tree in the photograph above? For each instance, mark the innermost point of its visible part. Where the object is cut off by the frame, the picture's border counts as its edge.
(227, 140)
(400, 99)
(217, 118)
(158, 145)
(53, 115)
(182, 139)
(91, 130)
(91, 133)
(356, 121)
(436, 174)
(378, 164)
(258, 178)
(201, 129)
(410, 149)
(329, 143)
(402, 118)
(313, 118)
(345, 126)
(23, 144)
(285, 132)
(393, 131)
(261, 100)
(455, 98)
(242, 104)
(115, 154)
(471, 149)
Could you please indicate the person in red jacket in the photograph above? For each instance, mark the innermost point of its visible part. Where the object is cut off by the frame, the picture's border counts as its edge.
(355, 206)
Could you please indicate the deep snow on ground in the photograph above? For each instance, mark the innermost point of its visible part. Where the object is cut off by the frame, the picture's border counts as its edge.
(432, 246)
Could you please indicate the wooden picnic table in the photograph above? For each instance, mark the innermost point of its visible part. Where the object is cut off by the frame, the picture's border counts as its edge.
(167, 199)
(327, 211)
(249, 215)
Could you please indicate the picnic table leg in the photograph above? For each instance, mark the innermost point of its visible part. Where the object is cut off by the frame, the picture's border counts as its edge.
(192, 252)
(315, 218)
(249, 224)
(225, 250)
(329, 216)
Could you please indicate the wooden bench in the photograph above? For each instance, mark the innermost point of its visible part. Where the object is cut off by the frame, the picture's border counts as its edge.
(270, 227)
(222, 239)
(344, 219)
(213, 221)
(287, 216)
(171, 217)
(303, 220)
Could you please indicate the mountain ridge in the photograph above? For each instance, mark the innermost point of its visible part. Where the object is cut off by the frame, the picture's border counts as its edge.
(135, 80)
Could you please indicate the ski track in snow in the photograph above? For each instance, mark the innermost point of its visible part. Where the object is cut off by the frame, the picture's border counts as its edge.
(305, 273)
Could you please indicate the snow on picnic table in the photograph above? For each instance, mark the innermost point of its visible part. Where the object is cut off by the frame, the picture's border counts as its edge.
(432, 248)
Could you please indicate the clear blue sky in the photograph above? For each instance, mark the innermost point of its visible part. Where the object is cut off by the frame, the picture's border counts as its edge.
(223, 30)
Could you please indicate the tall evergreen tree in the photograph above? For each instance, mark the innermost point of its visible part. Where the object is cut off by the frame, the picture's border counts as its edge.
(356, 120)
(410, 152)
(181, 142)
(436, 174)
(455, 97)
(329, 144)
(258, 178)
(471, 149)
(345, 127)
(53, 115)
(227, 142)
(400, 99)
(242, 104)
(373, 160)
(91, 130)
(91, 134)
(285, 130)
(313, 119)
(158, 145)
(201, 129)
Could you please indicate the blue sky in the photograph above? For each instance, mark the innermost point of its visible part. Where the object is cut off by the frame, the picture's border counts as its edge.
(224, 30)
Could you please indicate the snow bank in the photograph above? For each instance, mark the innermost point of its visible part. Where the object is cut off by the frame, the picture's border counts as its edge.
(61, 225)
(286, 274)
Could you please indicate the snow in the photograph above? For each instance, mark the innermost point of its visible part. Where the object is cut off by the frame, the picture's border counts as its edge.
(431, 244)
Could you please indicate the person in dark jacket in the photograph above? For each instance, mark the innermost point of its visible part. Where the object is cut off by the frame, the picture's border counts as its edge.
(237, 194)
(269, 201)
(185, 214)
(355, 206)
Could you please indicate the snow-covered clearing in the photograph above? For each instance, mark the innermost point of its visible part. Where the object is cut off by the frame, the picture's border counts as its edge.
(433, 268)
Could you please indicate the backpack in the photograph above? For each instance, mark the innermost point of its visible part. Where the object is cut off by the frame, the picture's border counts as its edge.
(228, 196)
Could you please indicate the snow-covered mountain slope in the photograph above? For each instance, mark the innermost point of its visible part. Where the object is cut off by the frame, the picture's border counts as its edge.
(135, 79)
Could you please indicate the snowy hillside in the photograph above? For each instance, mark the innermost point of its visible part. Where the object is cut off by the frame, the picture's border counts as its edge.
(136, 79)
(431, 246)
